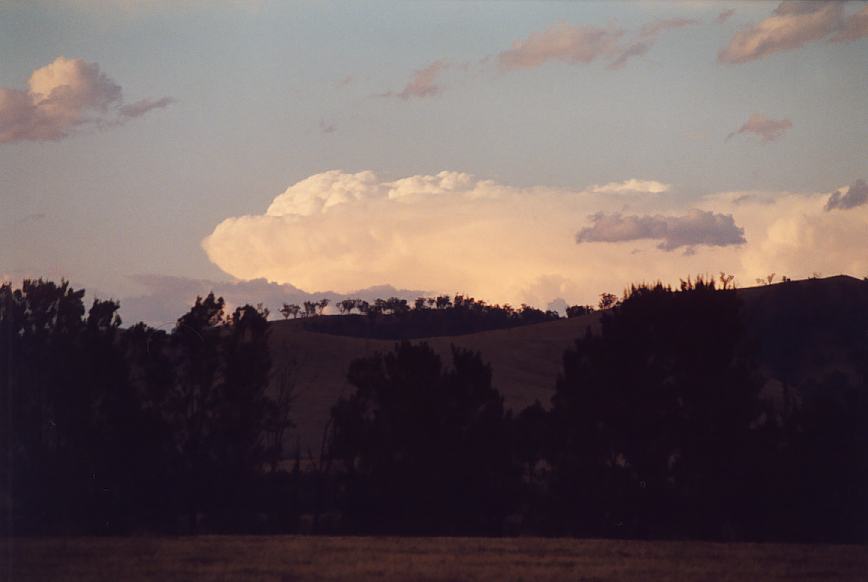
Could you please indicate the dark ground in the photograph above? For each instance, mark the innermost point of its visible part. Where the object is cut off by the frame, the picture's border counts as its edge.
(364, 558)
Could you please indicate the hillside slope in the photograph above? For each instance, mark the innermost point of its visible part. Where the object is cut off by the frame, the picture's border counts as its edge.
(802, 331)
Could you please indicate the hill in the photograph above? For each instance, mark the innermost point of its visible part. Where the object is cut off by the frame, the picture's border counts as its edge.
(802, 331)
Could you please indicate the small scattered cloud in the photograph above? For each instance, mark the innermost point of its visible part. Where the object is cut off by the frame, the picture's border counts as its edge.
(560, 42)
(345, 81)
(855, 195)
(30, 218)
(724, 16)
(791, 26)
(424, 82)
(767, 129)
(854, 27)
(327, 127)
(63, 97)
(142, 106)
(573, 44)
(697, 227)
(632, 185)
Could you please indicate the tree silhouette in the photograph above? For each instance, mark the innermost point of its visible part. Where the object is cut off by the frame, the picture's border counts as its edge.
(654, 416)
(425, 449)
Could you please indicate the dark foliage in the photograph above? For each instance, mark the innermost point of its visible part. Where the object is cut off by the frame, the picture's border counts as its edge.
(108, 431)
(393, 318)
(661, 425)
(424, 449)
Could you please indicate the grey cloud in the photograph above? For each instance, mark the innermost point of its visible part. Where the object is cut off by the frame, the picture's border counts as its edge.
(62, 97)
(584, 44)
(791, 25)
(697, 227)
(724, 16)
(424, 82)
(854, 27)
(647, 37)
(767, 129)
(856, 195)
(142, 106)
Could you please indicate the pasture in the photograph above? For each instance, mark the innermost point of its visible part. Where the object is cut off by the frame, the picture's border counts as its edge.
(287, 558)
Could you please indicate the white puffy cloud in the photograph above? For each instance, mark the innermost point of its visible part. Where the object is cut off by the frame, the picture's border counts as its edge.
(649, 186)
(452, 232)
(793, 234)
(62, 97)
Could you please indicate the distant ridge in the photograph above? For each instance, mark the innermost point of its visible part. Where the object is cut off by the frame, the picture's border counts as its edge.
(802, 331)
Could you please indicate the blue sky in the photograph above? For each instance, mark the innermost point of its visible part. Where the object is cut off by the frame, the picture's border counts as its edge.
(266, 94)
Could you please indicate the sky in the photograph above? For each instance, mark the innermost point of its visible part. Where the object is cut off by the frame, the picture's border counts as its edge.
(519, 152)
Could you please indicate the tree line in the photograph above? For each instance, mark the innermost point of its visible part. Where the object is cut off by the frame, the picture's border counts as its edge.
(658, 427)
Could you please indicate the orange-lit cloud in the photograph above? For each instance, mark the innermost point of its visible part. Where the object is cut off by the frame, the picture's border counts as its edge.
(453, 232)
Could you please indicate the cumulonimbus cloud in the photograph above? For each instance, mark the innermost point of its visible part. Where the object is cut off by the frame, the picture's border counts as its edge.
(697, 227)
(452, 232)
(444, 232)
(767, 129)
(853, 196)
(62, 97)
(793, 25)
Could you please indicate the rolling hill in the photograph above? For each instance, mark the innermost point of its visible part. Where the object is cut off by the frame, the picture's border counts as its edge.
(801, 331)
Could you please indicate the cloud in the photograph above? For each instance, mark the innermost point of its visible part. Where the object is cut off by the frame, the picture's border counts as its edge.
(327, 127)
(856, 195)
(445, 232)
(767, 129)
(142, 106)
(63, 97)
(795, 235)
(791, 25)
(560, 42)
(697, 227)
(854, 27)
(423, 83)
(724, 16)
(646, 186)
(584, 44)
(453, 232)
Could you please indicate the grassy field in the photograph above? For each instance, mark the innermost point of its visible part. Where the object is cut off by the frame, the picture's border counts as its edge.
(331, 558)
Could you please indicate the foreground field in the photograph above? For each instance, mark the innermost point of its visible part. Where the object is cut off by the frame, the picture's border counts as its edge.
(331, 558)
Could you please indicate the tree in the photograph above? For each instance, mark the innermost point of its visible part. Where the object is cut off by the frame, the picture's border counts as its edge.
(321, 305)
(578, 310)
(608, 300)
(290, 309)
(310, 308)
(347, 305)
(657, 419)
(426, 450)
